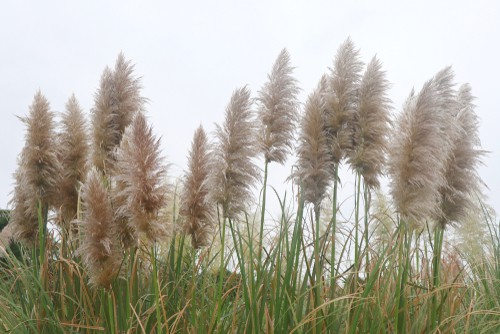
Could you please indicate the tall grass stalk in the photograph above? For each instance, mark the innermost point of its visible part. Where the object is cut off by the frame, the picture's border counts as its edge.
(435, 315)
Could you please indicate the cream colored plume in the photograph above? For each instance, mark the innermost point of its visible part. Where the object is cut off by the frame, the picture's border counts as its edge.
(371, 125)
(99, 247)
(73, 150)
(342, 99)
(421, 145)
(278, 110)
(458, 197)
(37, 171)
(233, 172)
(314, 162)
(116, 102)
(141, 174)
(196, 208)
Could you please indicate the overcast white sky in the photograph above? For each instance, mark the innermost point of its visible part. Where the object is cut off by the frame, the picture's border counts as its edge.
(193, 54)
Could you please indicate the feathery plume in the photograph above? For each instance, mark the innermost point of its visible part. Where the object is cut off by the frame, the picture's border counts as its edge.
(39, 158)
(278, 110)
(371, 125)
(23, 216)
(36, 173)
(341, 99)
(463, 181)
(233, 172)
(115, 104)
(99, 251)
(314, 163)
(140, 171)
(72, 152)
(420, 148)
(195, 206)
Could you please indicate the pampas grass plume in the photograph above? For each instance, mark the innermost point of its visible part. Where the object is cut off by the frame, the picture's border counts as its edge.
(371, 125)
(98, 246)
(463, 182)
(36, 175)
(73, 149)
(278, 110)
(420, 148)
(23, 216)
(196, 208)
(341, 102)
(314, 163)
(39, 158)
(115, 104)
(140, 171)
(233, 171)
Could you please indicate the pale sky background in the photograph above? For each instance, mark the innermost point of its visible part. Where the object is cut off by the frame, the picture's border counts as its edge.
(191, 55)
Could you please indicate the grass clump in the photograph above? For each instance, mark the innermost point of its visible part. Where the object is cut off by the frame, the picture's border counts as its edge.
(145, 257)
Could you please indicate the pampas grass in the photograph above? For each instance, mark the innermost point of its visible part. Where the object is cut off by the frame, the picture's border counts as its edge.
(302, 277)
(278, 110)
(23, 216)
(196, 208)
(116, 102)
(371, 125)
(314, 164)
(140, 172)
(233, 171)
(36, 175)
(341, 99)
(99, 246)
(463, 183)
(420, 147)
(39, 157)
(73, 149)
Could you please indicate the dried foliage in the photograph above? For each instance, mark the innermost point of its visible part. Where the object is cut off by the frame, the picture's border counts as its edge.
(73, 149)
(314, 162)
(116, 102)
(421, 145)
(98, 248)
(233, 171)
(463, 181)
(140, 173)
(278, 110)
(196, 207)
(341, 101)
(371, 125)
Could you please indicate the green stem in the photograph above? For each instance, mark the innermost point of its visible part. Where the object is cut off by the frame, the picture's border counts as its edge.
(404, 267)
(262, 216)
(221, 269)
(366, 196)
(333, 223)
(357, 247)
(317, 286)
(156, 291)
(436, 262)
